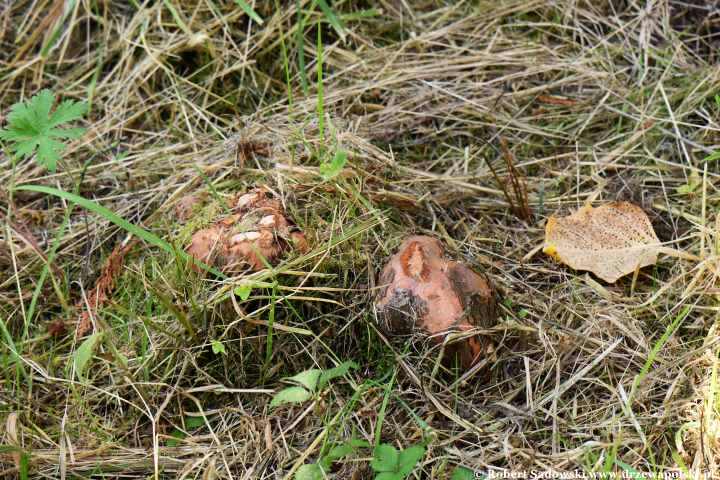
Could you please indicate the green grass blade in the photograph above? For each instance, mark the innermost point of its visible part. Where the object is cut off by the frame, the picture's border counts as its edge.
(332, 18)
(111, 216)
(105, 212)
(249, 11)
(320, 99)
(69, 6)
(656, 349)
(300, 47)
(178, 19)
(15, 355)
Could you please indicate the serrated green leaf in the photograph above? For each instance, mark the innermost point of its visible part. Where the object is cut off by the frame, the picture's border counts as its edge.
(290, 395)
(32, 129)
(332, 373)
(385, 458)
(308, 378)
(309, 471)
(67, 111)
(40, 106)
(84, 353)
(332, 169)
(69, 133)
(25, 148)
(408, 458)
(217, 347)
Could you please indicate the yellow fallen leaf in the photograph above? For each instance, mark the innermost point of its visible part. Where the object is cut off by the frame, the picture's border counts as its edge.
(610, 241)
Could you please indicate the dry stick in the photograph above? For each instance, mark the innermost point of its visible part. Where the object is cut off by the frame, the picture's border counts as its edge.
(517, 183)
(502, 186)
(578, 375)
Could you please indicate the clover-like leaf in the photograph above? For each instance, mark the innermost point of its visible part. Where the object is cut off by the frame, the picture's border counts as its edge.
(217, 347)
(385, 458)
(243, 290)
(408, 458)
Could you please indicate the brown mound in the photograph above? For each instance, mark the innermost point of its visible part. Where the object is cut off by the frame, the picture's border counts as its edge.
(255, 232)
(425, 292)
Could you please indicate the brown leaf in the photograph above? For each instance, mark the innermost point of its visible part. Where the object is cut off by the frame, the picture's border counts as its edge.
(57, 328)
(610, 241)
(104, 285)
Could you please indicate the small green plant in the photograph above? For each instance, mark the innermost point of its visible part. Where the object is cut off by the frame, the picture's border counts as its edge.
(462, 473)
(84, 353)
(177, 435)
(309, 383)
(217, 347)
(331, 169)
(317, 471)
(392, 464)
(32, 128)
(694, 181)
(246, 287)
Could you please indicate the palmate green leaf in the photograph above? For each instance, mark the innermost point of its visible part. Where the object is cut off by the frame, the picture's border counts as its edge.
(33, 129)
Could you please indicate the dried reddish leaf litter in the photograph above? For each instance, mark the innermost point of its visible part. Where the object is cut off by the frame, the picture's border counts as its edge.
(99, 295)
(422, 291)
(186, 205)
(256, 231)
(610, 241)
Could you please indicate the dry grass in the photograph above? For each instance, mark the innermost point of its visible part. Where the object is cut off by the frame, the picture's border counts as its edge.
(438, 105)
